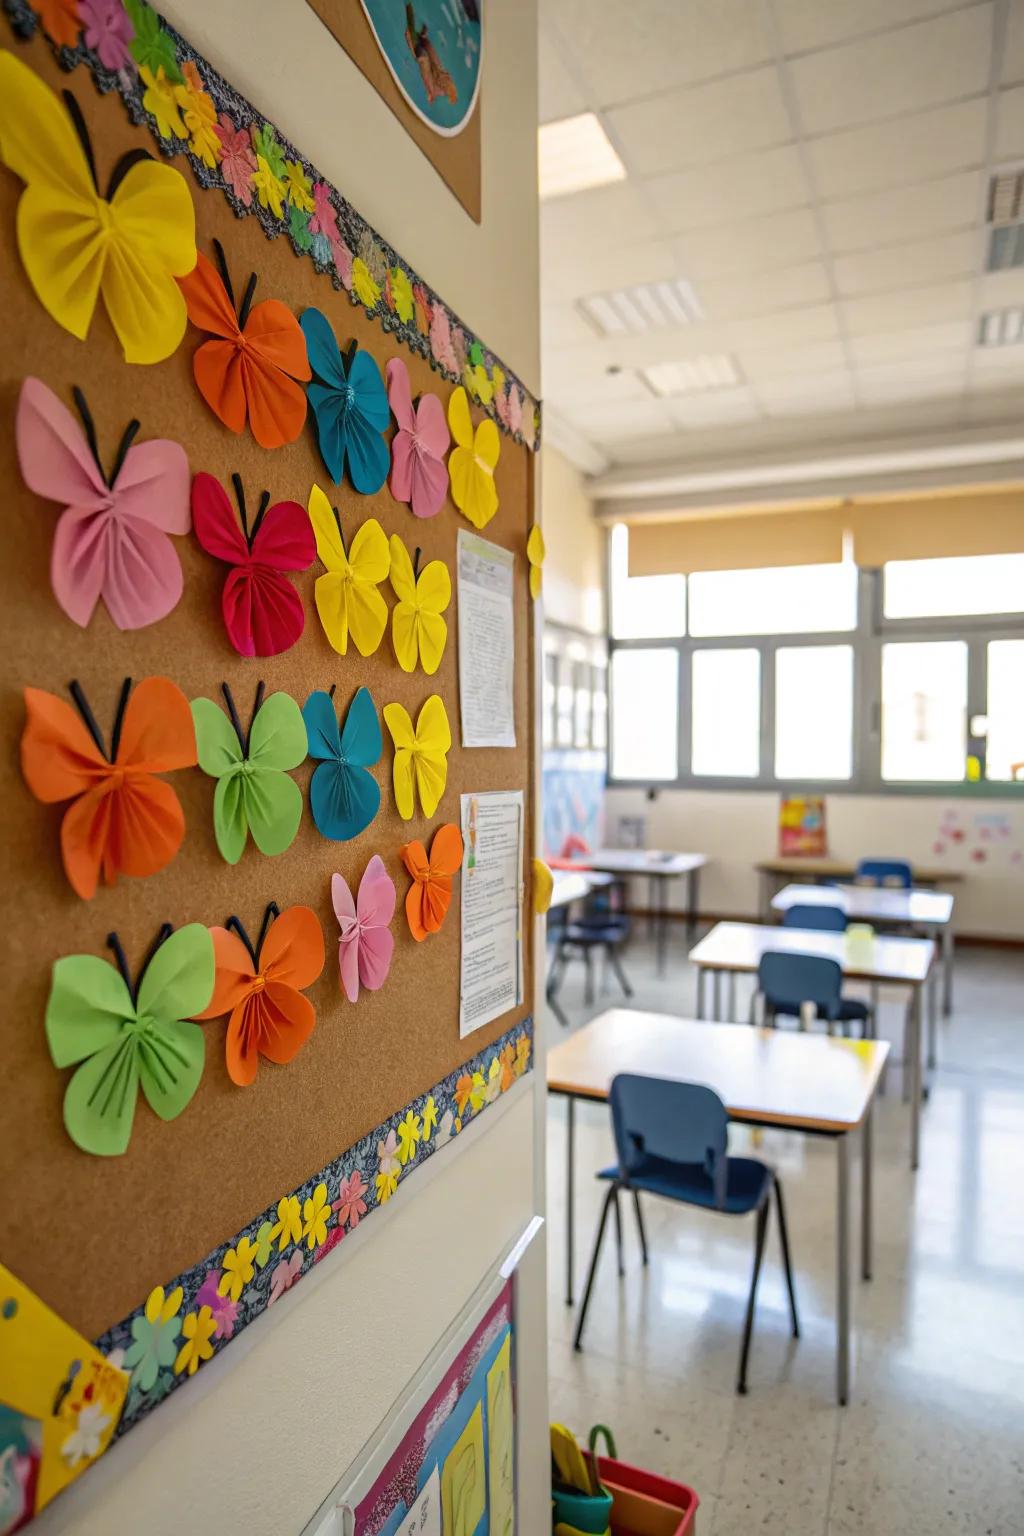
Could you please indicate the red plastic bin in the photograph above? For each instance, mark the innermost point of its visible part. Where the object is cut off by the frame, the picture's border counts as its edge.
(645, 1504)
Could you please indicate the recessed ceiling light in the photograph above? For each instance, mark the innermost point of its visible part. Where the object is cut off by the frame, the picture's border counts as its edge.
(644, 307)
(705, 371)
(1001, 328)
(575, 153)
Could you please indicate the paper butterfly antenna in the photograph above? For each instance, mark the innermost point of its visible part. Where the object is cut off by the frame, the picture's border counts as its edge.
(127, 438)
(235, 922)
(250, 287)
(115, 946)
(84, 708)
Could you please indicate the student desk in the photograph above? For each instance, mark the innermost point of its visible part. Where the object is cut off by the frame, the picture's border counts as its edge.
(815, 1084)
(659, 868)
(775, 872)
(735, 949)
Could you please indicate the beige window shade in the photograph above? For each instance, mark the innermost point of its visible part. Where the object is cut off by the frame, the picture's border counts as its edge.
(942, 526)
(738, 543)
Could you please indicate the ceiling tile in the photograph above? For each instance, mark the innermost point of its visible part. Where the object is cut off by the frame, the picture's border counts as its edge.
(919, 386)
(904, 213)
(949, 366)
(1013, 51)
(914, 148)
(562, 325)
(990, 364)
(816, 23)
(777, 363)
(754, 246)
(906, 70)
(952, 335)
(588, 217)
(569, 274)
(794, 327)
(802, 387)
(559, 94)
(781, 288)
(921, 261)
(745, 186)
(820, 398)
(701, 123)
(907, 307)
(1009, 142)
(628, 418)
(718, 407)
(998, 289)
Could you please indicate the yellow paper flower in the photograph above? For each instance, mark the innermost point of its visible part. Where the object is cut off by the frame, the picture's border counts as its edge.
(472, 462)
(418, 631)
(161, 99)
(287, 1229)
(478, 382)
(543, 886)
(346, 596)
(401, 293)
(300, 188)
(200, 116)
(239, 1268)
(269, 188)
(420, 755)
(478, 1092)
(198, 1330)
(498, 378)
(493, 1081)
(316, 1213)
(535, 553)
(429, 1117)
(363, 285)
(408, 1137)
(522, 1055)
(387, 1183)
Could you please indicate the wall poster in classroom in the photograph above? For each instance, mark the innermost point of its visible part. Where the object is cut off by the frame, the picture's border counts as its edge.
(802, 826)
(486, 642)
(492, 903)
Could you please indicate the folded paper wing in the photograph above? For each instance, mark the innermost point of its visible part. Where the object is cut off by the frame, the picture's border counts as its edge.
(430, 894)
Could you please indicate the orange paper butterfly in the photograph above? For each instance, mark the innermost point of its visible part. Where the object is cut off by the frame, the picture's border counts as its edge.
(430, 894)
(123, 820)
(260, 986)
(252, 369)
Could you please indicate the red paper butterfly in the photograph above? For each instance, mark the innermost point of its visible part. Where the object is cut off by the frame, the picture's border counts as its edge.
(263, 613)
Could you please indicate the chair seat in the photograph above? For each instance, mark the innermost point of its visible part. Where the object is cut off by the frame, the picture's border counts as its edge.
(595, 933)
(747, 1182)
(851, 1008)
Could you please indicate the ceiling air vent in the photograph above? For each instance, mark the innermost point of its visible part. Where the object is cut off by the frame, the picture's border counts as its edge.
(1001, 328)
(705, 371)
(1006, 216)
(644, 307)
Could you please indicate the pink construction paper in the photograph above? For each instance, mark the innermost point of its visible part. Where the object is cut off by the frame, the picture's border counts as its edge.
(419, 474)
(366, 943)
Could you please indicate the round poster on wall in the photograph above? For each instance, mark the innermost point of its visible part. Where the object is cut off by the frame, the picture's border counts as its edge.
(432, 48)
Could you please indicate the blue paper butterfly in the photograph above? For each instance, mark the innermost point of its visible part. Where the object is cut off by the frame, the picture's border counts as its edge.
(343, 796)
(350, 405)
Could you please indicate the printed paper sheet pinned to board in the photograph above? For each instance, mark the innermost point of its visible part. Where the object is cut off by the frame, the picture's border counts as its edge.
(486, 642)
(492, 904)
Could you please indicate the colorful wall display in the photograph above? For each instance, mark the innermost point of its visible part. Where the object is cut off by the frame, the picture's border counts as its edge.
(802, 826)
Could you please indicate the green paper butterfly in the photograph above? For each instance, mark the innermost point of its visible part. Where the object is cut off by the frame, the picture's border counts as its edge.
(129, 1036)
(254, 793)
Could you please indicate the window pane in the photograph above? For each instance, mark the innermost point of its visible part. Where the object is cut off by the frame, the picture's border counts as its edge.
(599, 716)
(1005, 708)
(644, 607)
(814, 712)
(919, 589)
(550, 689)
(924, 710)
(726, 713)
(789, 600)
(645, 714)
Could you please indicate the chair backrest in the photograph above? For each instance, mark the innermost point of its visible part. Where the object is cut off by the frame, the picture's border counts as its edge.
(681, 1122)
(892, 872)
(809, 915)
(788, 980)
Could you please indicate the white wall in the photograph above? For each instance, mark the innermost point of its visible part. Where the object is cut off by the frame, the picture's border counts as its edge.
(263, 1443)
(574, 569)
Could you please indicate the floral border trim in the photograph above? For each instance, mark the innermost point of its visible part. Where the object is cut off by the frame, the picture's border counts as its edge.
(197, 1314)
(192, 111)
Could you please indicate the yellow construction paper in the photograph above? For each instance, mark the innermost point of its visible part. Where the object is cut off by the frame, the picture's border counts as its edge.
(69, 1395)
(420, 755)
(501, 1443)
(418, 631)
(463, 1496)
(535, 553)
(543, 887)
(471, 462)
(75, 245)
(347, 599)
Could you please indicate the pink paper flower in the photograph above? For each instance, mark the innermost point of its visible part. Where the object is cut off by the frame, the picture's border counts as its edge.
(441, 339)
(108, 31)
(419, 475)
(237, 160)
(350, 1204)
(284, 1277)
(323, 220)
(224, 1310)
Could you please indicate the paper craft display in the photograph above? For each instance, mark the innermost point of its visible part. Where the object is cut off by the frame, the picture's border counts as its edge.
(543, 887)
(418, 630)
(802, 826)
(367, 943)
(250, 370)
(430, 894)
(472, 461)
(419, 474)
(260, 987)
(346, 595)
(129, 1034)
(254, 793)
(60, 1402)
(263, 613)
(343, 795)
(501, 1485)
(463, 1480)
(350, 406)
(76, 245)
(535, 552)
(420, 768)
(111, 540)
(122, 819)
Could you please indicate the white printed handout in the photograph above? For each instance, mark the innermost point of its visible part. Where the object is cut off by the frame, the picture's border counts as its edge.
(486, 642)
(492, 904)
(424, 1517)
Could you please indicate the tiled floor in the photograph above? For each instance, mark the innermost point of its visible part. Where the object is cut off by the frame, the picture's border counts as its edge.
(933, 1438)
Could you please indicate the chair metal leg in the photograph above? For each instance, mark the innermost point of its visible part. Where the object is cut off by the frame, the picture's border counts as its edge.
(588, 985)
(784, 1240)
(748, 1327)
(577, 1340)
(618, 1235)
(640, 1225)
(620, 975)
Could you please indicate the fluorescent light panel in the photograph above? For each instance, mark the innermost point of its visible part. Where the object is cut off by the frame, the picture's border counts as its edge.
(644, 307)
(1001, 328)
(706, 371)
(575, 153)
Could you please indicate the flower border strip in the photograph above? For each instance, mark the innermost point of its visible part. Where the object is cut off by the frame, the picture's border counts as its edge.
(204, 119)
(196, 1315)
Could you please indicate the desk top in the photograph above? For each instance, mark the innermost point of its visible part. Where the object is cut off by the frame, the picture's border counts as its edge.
(642, 861)
(739, 947)
(871, 903)
(845, 869)
(568, 887)
(773, 1076)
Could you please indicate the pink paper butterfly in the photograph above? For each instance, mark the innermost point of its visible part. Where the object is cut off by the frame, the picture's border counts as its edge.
(366, 943)
(111, 541)
(419, 474)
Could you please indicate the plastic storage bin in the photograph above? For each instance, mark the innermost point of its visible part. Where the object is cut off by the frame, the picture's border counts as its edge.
(644, 1504)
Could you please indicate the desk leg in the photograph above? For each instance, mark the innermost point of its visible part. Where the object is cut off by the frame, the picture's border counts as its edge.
(731, 996)
(570, 1196)
(933, 1018)
(701, 973)
(843, 1269)
(693, 902)
(716, 996)
(914, 1052)
(865, 1196)
(662, 883)
(947, 969)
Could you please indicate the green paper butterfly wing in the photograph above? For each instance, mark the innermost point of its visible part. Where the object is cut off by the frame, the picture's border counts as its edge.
(217, 745)
(172, 1051)
(273, 801)
(87, 1005)
(99, 1105)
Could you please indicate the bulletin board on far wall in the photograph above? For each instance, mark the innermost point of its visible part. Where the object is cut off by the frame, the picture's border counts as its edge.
(164, 1252)
(424, 59)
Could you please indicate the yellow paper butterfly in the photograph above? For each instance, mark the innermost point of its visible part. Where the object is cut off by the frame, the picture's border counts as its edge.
(417, 628)
(535, 553)
(347, 599)
(471, 462)
(543, 886)
(420, 755)
(75, 245)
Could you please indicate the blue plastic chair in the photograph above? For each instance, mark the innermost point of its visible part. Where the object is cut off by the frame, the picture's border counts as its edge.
(823, 919)
(671, 1139)
(895, 873)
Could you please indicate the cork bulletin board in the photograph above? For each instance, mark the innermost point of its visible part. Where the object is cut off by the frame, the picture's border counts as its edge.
(130, 1223)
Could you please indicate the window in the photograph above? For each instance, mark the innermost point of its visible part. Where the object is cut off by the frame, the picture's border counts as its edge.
(643, 607)
(645, 713)
(1005, 708)
(791, 600)
(550, 690)
(975, 584)
(814, 712)
(726, 713)
(924, 710)
(599, 707)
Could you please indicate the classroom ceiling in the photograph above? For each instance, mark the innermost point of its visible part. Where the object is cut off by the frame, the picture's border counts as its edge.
(816, 174)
